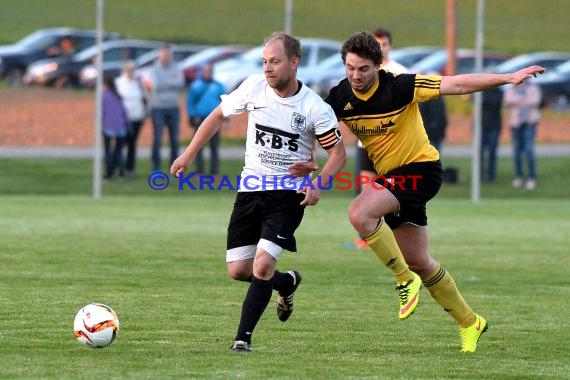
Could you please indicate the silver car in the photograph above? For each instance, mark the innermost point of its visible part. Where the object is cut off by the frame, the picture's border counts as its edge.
(231, 72)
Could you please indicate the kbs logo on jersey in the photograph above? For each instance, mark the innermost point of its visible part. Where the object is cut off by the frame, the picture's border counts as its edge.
(276, 138)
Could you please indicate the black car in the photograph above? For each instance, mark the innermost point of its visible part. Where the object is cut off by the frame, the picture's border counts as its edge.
(44, 43)
(555, 86)
(64, 71)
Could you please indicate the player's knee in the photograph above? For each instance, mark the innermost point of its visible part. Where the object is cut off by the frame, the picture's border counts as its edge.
(239, 273)
(422, 267)
(356, 218)
(264, 269)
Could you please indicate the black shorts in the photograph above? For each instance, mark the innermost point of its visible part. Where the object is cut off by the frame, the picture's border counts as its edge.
(364, 161)
(272, 215)
(413, 185)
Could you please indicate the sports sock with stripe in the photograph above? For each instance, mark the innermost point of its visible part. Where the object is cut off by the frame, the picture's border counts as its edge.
(442, 288)
(383, 244)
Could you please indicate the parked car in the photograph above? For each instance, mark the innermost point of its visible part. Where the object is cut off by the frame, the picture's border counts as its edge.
(44, 43)
(410, 55)
(64, 71)
(231, 72)
(555, 86)
(330, 70)
(88, 74)
(191, 65)
(436, 63)
(547, 59)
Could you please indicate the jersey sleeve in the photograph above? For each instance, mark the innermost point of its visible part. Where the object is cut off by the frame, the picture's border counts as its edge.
(235, 102)
(426, 87)
(326, 127)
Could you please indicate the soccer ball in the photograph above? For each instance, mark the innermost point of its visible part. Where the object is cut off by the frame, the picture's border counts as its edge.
(96, 325)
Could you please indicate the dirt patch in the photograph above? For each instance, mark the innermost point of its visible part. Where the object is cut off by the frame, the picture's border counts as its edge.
(48, 117)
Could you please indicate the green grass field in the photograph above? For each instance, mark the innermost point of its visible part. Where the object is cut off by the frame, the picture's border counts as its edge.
(510, 26)
(33, 176)
(158, 259)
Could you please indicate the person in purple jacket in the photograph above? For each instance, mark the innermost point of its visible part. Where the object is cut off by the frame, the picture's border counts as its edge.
(115, 126)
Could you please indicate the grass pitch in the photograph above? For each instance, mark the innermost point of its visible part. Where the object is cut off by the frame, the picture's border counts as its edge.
(158, 260)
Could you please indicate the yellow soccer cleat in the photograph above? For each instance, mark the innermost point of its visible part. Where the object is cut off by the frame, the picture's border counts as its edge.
(409, 293)
(470, 335)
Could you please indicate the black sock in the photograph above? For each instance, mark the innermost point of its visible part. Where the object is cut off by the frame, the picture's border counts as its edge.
(255, 302)
(283, 283)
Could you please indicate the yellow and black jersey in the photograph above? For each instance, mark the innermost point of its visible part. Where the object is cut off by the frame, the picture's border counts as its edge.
(387, 118)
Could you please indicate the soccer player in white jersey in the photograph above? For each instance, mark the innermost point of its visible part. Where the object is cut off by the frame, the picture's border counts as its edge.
(285, 118)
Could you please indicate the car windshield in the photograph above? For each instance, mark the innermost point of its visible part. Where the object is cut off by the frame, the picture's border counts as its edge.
(563, 68)
(547, 61)
(201, 56)
(409, 57)
(36, 41)
(252, 55)
(147, 58)
(513, 64)
(432, 61)
(334, 61)
(86, 54)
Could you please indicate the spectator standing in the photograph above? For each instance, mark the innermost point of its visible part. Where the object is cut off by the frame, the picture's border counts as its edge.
(115, 126)
(204, 95)
(523, 102)
(434, 115)
(133, 95)
(491, 124)
(384, 38)
(165, 85)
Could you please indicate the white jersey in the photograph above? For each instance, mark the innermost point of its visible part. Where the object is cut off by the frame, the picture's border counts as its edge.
(280, 131)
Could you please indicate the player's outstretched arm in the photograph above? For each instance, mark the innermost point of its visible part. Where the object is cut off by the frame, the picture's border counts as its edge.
(469, 83)
(207, 129)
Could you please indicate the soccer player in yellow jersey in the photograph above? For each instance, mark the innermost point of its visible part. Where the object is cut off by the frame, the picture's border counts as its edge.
(382, 110)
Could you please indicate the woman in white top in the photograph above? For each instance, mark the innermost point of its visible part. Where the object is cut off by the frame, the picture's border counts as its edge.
(134, 100)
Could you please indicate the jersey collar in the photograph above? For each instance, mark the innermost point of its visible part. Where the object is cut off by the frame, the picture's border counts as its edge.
(365, 96)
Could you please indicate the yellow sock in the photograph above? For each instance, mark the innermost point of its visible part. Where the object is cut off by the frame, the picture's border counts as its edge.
(384, 245)
(444, 291)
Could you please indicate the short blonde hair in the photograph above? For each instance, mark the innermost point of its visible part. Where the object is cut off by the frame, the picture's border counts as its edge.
(291, 44)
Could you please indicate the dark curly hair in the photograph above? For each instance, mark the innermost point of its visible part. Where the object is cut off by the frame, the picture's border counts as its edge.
(364, 45)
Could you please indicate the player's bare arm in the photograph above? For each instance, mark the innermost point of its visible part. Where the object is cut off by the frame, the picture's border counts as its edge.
(301, 169)
(334, 164)
(209, 127)
(469, 83)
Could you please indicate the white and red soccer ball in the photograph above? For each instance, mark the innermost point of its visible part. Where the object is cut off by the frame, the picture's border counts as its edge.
(96, 325)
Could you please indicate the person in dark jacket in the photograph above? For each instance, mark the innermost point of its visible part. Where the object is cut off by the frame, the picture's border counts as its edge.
(434, 115)
(491, 123)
